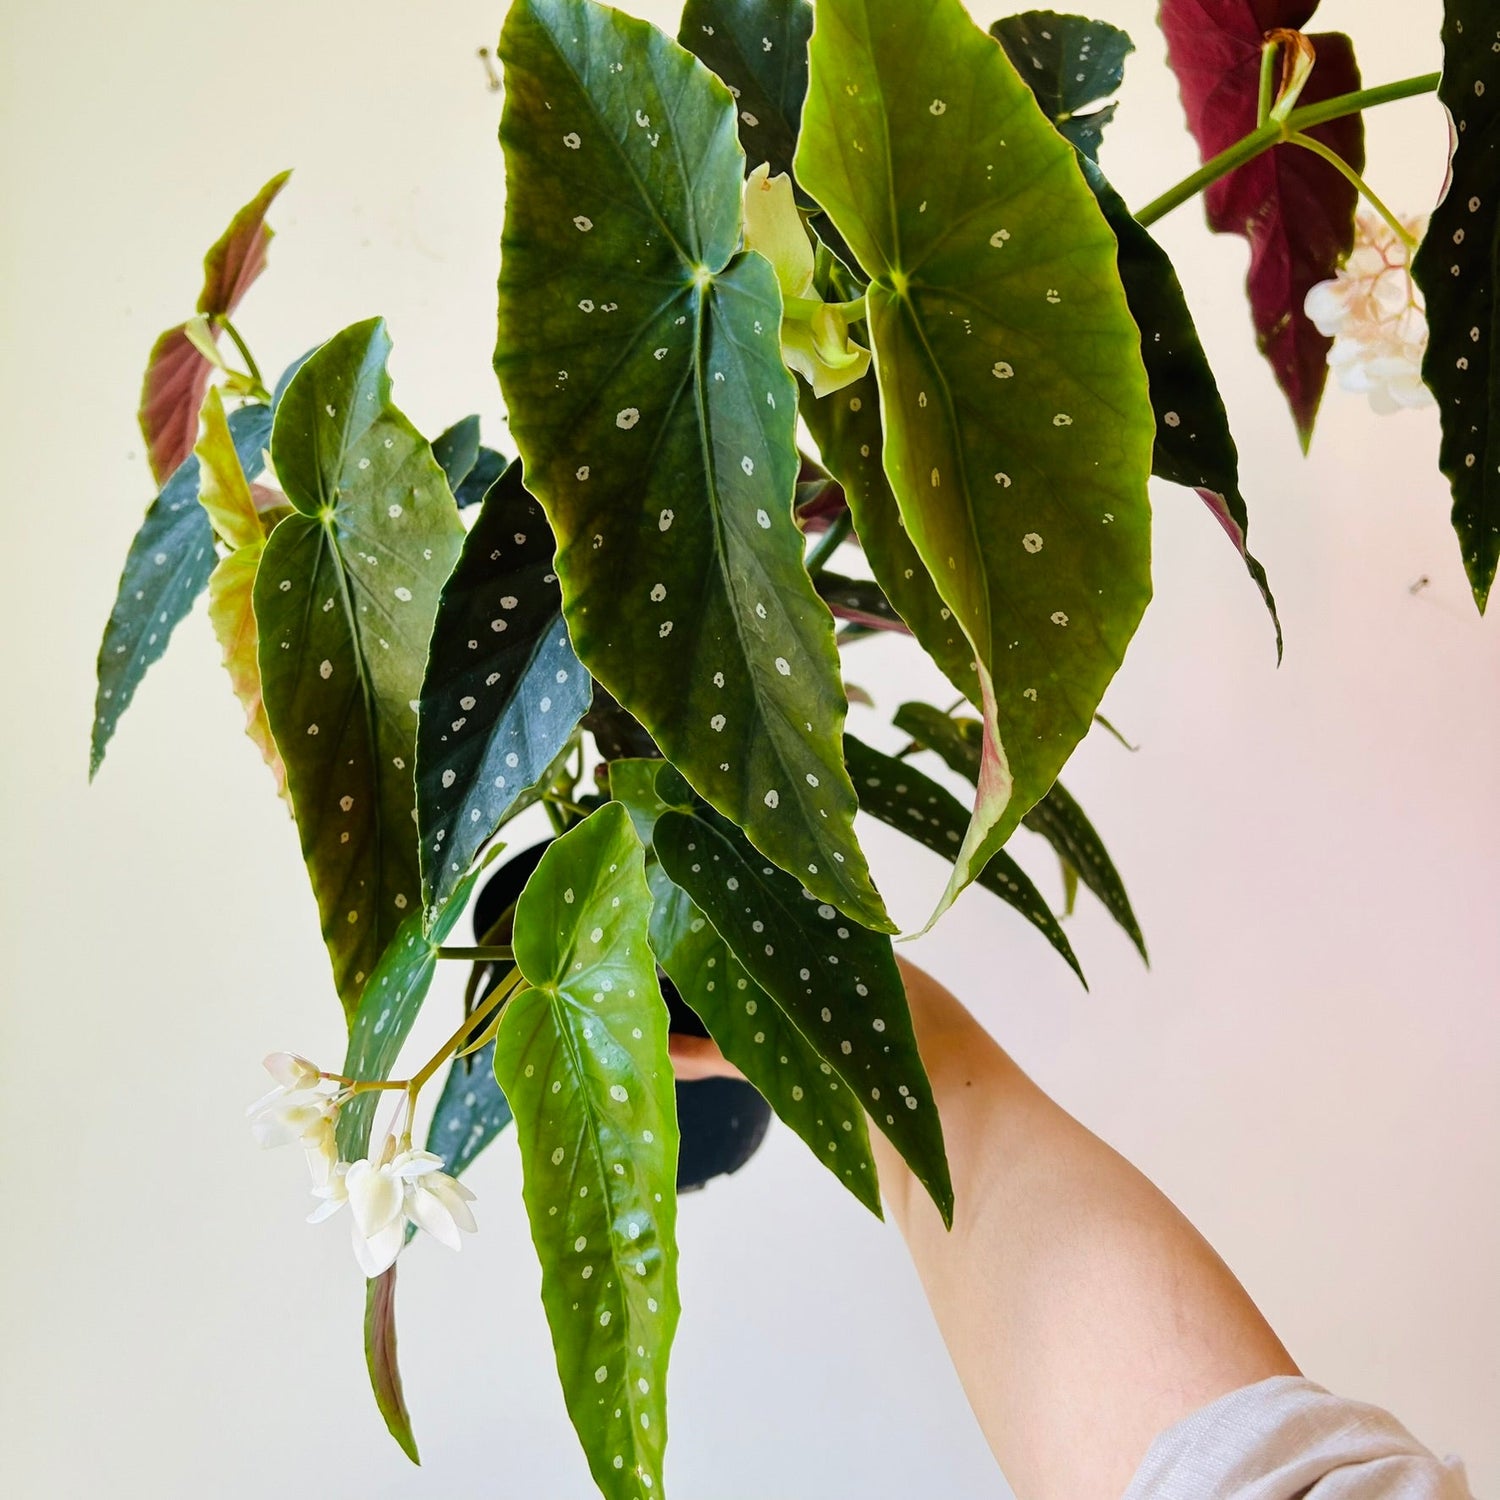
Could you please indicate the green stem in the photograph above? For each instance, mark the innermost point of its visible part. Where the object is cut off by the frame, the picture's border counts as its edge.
(482, 955)
(486, 1008)
(1274, 133)
(839, 531)
(1268, 54)
(251, 368)
(1347, 172)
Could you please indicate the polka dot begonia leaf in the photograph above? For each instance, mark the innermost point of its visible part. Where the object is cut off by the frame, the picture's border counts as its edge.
(761, 1039)
(1458, 270)
(1057, 817)
(168, 566)
(345, 599)
(639, 355)
(503, 690)
(1018, 426)
(392, 1001)
(900, 795)
(582, 1058)
(835, 981)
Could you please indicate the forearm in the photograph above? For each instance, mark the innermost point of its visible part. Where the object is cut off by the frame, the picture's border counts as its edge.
(1083, 1312)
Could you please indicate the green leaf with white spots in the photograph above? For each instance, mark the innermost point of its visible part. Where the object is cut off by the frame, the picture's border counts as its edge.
(582, 1058)
(471, 1111)
(1458, 270)
(761, 1039)
(1057, 817)
(169, 565)
(632, 783)
(836, 981)
(392, 1001)
(345, 599)
(859, 601)
(1018, 426)
(1194, 446)
(759, 49)
(901, 796)
(1073, 65)
(640, 359)
(503, 690)
(846, 427)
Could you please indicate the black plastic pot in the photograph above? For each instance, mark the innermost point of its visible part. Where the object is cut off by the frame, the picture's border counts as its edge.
(722, 1120)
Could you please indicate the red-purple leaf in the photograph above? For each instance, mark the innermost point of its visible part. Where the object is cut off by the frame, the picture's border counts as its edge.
(177, 374)
(1296, 211)
(380, 1358)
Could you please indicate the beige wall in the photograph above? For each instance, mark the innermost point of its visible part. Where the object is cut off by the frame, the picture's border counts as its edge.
(1310, 1069)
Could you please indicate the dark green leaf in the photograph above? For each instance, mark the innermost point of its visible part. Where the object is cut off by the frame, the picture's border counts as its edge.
(503, 690)
(488, 467)
(392, 1001)
(582, 1057)
(1070, 62)
(1072, 65)
(632, 783)
(1018, 426)
(837, 982)
(345, 600)
(168, 566)
(761, 1039)
(471, 1111)
(457, 451)
(1057, 817)
(900, 795)
(1458, 269)
(640, 359)
(380, 1360)
(759, 48)
(859, 600)
(847, 429)
(1060, 820)
(177, 374)
(286, 377)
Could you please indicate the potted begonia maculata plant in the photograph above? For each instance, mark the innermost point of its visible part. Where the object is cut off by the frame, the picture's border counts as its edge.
(875, 217)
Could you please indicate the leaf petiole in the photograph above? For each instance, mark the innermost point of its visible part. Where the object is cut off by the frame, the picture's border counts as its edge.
(260, 393)
(485, 954)
(839, 531)
(1343, 168)
(1275, 133)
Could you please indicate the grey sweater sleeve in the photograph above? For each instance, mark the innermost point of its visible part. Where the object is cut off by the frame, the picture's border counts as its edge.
(1288, 1439)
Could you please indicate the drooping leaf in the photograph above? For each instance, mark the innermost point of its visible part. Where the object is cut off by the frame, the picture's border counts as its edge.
(1057, 817)
(225, 495)
(861, 601)
(1018, 427)
(177, 374)
(1458, 269)
(392, 1001)
(656, 420)
(503, 690)
(471, 1111)
(836, 981)
(1060, 820)
(345, 599)
(380, 1360)
(1296, 211)
(457, 451)
(488, 467)
(761, 1039)
(582, 1058)
(1194, 446)
(1073, 65)
(168, 566)
(759, 49)
(900, 795)
(849, 435)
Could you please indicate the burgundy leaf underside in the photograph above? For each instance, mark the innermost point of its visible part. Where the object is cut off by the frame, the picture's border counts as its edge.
(1296, 211)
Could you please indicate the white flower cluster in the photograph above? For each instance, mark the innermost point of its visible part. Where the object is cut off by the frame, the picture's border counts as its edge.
(403, 1187)
(1371, 312)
